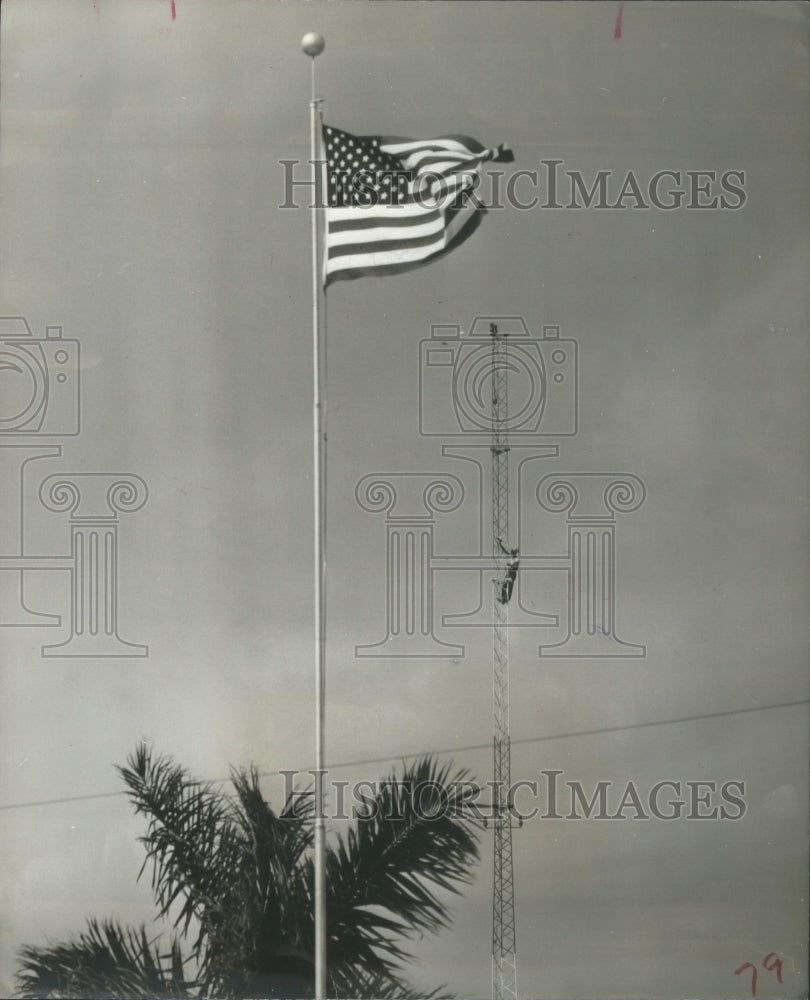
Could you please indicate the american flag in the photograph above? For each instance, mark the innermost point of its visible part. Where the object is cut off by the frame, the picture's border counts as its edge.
(393, 204)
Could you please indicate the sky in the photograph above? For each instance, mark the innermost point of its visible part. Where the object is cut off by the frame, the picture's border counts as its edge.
(141, 144)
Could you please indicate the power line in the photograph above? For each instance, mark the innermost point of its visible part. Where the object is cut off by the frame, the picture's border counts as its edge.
(605, 730)
(580, 732)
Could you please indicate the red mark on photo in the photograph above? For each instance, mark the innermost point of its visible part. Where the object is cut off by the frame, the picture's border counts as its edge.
(771, 963)
(174, 9)
(617, 31)
(775, 966)
(753, 969)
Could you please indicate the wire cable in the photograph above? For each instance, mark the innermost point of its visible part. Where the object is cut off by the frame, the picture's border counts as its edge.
(450, 750)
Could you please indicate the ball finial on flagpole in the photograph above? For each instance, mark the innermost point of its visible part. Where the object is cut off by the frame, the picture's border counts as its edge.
(313, 43)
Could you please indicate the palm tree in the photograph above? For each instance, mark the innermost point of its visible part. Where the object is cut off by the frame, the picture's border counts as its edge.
(235, 879)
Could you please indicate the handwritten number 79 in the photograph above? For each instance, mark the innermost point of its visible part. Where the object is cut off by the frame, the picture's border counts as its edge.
(772, 963)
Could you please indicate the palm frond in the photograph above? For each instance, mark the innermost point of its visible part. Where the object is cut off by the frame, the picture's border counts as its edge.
(192, 842)
(108, 961)
(384, 878)
(273, 894)
(277, 843)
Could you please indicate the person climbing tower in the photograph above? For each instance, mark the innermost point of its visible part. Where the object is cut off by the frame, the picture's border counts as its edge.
(512, 565)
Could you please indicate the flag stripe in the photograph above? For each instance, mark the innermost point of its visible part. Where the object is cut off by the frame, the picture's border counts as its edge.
(460, 143)
(342, 219)
(382, 245)
(365, 264)
(407, 249)
(435, 163)
(375, 232)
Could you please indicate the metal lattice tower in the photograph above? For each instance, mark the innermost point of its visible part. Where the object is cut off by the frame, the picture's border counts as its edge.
(504, 971)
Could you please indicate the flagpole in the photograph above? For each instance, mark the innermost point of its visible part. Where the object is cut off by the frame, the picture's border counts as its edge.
(313, 44)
